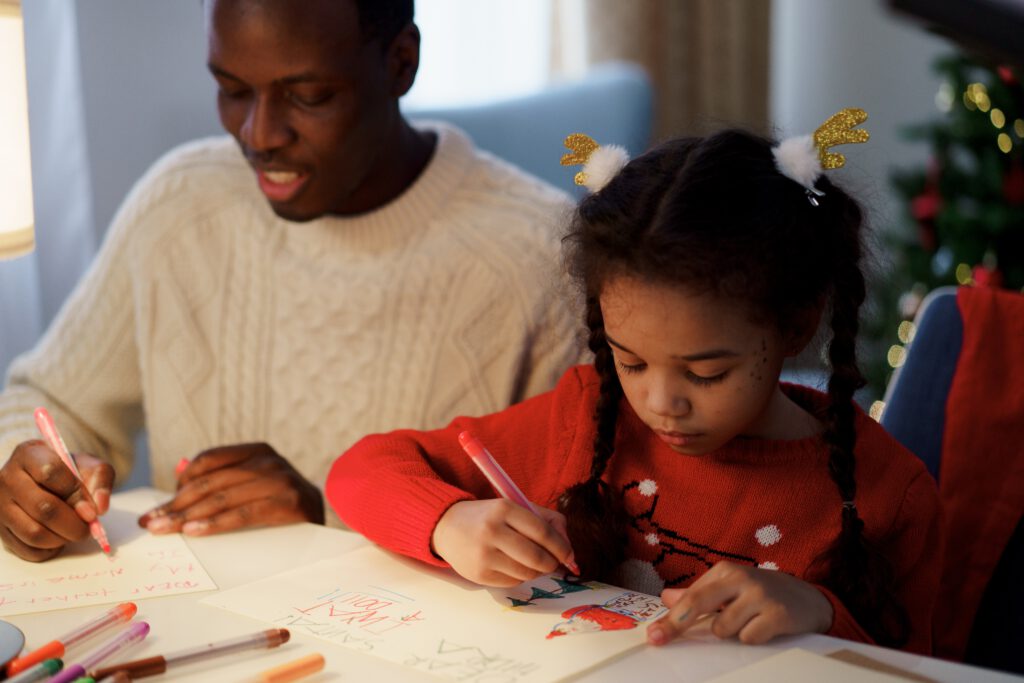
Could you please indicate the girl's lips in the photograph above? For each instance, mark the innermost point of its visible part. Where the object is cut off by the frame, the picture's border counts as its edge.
(675, 438)
(280, 186)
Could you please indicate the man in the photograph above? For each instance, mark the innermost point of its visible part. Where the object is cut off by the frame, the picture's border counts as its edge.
(260, 306)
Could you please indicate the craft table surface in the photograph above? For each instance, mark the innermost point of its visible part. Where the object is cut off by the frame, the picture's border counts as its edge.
(232, 559)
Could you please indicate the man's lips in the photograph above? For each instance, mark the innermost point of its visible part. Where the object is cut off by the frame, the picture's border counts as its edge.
(280, 185)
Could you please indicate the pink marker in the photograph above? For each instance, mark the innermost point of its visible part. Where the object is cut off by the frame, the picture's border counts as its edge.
(131, 635)
(48, 428)
(180, 467)
(501, 482)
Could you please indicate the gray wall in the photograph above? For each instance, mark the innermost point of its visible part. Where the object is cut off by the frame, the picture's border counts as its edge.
(831, 54)
(146, 89)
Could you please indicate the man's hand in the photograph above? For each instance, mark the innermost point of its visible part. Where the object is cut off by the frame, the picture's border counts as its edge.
(235, 487)
(43, 505)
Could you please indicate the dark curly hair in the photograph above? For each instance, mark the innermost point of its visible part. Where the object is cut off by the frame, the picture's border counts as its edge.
(715, 216)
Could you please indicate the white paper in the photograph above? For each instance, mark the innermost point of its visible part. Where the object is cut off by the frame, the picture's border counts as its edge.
(142, 566)
(800, 666)
(434, 621)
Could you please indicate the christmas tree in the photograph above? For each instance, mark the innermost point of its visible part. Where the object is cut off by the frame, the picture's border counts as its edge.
(965, 207)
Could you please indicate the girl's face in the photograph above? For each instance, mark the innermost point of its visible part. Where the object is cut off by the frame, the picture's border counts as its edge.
(693, 367)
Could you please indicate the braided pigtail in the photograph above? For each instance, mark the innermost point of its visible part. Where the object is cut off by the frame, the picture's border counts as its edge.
(593, 510)
(857, 573)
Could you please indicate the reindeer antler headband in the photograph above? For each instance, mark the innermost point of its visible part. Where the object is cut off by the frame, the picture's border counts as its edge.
(802, 159)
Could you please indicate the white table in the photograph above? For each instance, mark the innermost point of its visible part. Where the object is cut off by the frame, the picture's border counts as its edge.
(180, 622)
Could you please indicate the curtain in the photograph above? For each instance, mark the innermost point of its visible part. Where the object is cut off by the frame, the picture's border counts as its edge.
(33, 287)
(708, 59)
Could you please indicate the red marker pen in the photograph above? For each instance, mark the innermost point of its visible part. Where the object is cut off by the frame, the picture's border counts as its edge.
(501, 482)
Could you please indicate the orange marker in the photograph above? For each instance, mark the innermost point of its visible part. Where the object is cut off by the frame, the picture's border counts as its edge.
(48, 428)
(294, 670)
(55, 648)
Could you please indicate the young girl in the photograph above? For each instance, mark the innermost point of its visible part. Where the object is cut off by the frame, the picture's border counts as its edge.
(678, 463)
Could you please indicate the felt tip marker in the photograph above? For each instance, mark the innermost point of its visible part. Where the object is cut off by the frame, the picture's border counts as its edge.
(151, 666)
(131, 635)
(48, 428)
(56, 648)
(501, 482)
(180, 467)
(293, 670)
(39, 672)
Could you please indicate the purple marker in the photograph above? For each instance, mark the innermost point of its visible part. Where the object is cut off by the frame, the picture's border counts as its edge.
(126, 638)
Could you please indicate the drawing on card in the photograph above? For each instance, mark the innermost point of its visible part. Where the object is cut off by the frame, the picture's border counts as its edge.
(142, 565)
(434, 621)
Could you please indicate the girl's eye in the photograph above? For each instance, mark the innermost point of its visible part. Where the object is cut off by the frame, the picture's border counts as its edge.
(705, 381)
(630, 369)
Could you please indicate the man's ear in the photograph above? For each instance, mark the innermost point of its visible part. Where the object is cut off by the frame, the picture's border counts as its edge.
(805, 326)
(404, 59)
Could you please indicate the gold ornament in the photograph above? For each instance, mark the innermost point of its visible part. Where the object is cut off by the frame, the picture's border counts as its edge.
(580, 148)
(839, 130)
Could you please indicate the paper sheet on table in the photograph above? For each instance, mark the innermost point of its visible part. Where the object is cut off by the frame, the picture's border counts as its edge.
(800, 666)
(142, 566)
(434, 621)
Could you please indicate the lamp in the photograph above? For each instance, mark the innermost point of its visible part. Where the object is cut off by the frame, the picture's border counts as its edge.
(16, 217)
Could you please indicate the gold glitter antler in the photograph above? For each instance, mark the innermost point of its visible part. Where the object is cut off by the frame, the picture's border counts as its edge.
(580, 148)
(839, 130)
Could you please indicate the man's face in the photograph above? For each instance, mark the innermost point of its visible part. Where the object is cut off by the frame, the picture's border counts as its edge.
(309, 101)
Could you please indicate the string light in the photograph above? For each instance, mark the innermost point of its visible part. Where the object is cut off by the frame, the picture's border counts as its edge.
(1004, 142)
(876, 409)
(896, 356)
(963, 274)
(997, 117)
(906, 331)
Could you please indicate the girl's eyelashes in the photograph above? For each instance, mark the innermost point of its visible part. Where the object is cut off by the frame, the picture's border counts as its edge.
(705, 381)
(699, 380)
(631, 368)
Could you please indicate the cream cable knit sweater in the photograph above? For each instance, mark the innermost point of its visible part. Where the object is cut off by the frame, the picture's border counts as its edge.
(209, 321)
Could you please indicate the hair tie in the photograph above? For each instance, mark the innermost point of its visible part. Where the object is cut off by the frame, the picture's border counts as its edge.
(600, 163)
(804, 158)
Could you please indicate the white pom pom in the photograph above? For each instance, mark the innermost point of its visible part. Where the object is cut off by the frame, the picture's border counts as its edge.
(797, 159)
(603, 164)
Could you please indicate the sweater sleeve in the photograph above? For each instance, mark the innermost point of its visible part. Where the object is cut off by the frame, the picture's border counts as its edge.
(85, 368)
(393, 488)
(914, 547)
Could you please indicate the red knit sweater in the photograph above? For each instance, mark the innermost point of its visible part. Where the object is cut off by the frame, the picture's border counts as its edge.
(765, 503)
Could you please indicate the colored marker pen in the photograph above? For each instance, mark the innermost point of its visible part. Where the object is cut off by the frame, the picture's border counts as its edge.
(56, 648)
(48, 428)
(39, 672)
(501, 482)
(293, 670)
(129, 636)
(151, 666)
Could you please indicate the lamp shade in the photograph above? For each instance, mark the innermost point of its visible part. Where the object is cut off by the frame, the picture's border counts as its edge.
(16, 217)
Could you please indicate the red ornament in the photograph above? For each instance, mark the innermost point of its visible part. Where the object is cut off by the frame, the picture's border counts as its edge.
(924, 208)
(1006, 74)
(985, 277)
(1013, 184)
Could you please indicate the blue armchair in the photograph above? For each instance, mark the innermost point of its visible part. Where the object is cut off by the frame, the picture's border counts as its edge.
(613, 103)
(915, 414)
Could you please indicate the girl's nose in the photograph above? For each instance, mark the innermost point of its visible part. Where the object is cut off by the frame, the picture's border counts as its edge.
(664, 400)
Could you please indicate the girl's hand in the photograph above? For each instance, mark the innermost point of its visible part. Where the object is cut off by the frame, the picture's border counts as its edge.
(754, 604)
(498, 543)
